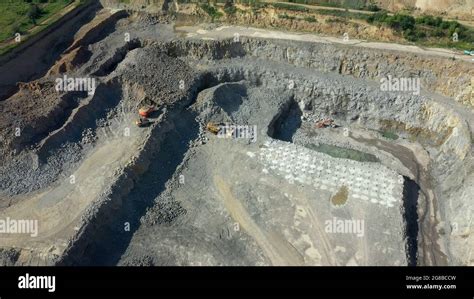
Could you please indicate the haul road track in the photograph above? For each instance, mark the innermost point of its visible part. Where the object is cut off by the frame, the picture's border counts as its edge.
(106, 192)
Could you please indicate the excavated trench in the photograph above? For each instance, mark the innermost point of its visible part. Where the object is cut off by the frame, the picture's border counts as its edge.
(410, 203)
(70, 139)
(111, 64)
(88, 117)
(68, 103)
(285, 125)
(34, 58)
(103, 239)
(288, 122)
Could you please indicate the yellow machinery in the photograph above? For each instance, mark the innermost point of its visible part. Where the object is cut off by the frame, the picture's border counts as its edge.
(213, 128)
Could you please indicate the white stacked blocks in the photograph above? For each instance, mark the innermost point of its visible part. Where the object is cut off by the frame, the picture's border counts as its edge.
(370, 182)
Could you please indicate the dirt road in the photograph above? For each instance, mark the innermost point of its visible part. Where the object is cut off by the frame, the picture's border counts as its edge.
(59, 208)
(463, 22)
(225, 32)
(276, 248)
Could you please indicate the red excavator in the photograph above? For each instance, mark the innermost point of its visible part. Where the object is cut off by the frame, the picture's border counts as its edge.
(144, 113)
(325, 123)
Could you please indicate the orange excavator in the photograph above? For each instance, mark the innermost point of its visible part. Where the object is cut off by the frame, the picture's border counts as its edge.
(144, 112)
(325, 123)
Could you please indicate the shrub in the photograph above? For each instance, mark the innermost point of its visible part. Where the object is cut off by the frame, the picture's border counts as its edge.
(438, 32)
(211, 11)
(229, 8)
(390, 135)
(290, 7)
(373, 7)
(400, 21)
(33, 13)
(285, 16)
(378, 17)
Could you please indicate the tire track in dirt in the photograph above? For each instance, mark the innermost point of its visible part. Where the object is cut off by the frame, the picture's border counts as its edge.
(275, 248)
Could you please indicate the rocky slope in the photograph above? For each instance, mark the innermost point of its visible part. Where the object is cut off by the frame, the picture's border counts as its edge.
(192, 198)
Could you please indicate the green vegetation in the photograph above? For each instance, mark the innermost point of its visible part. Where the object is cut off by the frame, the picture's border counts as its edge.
(343, 153)
(29, 17)
(290, 7)
(19, 16)
(373, 7)
(211, 11)
(427, 30)
(285, 16)
(336, 20)
(350, 4)
(397, 21)
(230, 8)
(341, 196)
(424, 30)
(343, 14)
(252, 3)
(327, 12)
(389, 135)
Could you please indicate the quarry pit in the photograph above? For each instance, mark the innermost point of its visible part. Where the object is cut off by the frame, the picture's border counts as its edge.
(396, 171)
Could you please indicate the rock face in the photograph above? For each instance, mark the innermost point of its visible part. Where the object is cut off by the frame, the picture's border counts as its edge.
(272, 189)
(150, 6)
(440, 75)
(32, 59)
